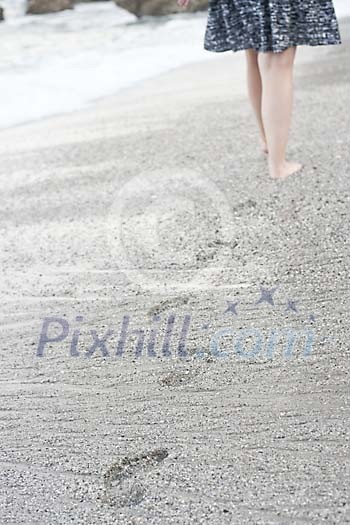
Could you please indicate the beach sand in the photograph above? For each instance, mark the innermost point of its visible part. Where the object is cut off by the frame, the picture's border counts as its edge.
(157, 202)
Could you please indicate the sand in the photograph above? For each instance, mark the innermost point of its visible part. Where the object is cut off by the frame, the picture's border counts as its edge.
(154, 207)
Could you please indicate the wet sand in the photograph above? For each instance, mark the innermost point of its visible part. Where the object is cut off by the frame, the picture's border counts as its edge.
(154, 207)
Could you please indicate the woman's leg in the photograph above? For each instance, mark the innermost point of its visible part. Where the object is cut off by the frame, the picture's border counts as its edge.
(276, 71)
(255, 91)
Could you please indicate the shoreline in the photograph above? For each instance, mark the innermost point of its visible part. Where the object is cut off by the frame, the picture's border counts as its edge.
(305, 51)
(308, 54)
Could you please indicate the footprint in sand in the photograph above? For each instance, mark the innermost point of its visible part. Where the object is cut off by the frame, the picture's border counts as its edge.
(168, 304)
(121, 483)
(178, 377)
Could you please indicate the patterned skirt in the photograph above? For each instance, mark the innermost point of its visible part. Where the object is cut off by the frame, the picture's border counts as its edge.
(270, 25)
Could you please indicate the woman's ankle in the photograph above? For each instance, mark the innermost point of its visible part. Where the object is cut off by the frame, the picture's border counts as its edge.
(276, 168)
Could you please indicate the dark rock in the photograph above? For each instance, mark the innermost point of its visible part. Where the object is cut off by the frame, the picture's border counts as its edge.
(159, 7)
(39, 7)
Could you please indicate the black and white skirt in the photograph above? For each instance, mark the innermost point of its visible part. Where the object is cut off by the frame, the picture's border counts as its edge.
(270, 25)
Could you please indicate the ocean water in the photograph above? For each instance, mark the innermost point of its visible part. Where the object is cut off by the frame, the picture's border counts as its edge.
(56, 63)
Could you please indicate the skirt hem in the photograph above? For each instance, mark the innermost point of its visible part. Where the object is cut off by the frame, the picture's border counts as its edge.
(267, 49)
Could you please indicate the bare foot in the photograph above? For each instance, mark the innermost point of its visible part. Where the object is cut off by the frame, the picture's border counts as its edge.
(284, 171)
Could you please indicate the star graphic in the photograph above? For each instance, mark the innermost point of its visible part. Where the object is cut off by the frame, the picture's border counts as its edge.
(266, 295)
(292, 305)
(231, 307)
